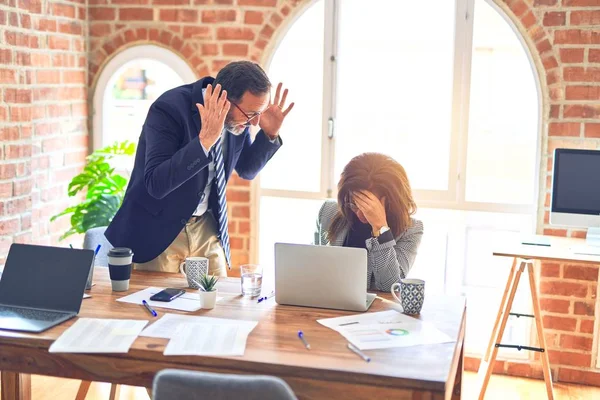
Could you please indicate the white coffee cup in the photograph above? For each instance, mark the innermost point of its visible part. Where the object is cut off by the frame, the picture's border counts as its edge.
(193, 268)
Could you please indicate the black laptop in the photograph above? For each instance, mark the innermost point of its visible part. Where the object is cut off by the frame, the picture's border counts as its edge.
(42, 286)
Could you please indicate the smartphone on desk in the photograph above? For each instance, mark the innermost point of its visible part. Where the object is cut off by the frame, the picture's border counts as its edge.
(167, 294)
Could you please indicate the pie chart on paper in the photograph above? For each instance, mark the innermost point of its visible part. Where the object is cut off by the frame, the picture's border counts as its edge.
(397, 332)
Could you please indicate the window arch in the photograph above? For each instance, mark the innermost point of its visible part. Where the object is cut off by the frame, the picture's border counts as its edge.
(128, 85)
(440, 101)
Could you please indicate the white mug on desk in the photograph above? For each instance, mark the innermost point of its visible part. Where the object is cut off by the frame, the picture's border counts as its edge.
(193, 268)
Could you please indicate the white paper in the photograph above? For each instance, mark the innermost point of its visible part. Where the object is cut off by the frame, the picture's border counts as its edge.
(382, 317)
(92, 335)
(208, 339)
(383, 336)
(167, 326)
(185, 302)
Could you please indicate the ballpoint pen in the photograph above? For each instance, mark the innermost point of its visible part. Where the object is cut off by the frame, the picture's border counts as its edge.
(301, 336)
(267, 297)
(359, 353)
(145, 303)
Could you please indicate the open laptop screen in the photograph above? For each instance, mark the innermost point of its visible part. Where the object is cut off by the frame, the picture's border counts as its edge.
(51, 278)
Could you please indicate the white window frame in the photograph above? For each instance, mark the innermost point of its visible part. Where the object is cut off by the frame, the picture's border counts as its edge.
(137, 52)
(454, 196)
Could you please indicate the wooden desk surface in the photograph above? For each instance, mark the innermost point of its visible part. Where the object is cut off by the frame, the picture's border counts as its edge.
(272, 348)
(559, 250)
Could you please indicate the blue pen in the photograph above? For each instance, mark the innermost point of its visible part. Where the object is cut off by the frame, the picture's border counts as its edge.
(145, 303)
(301, 336)
(97, 249)
(260, 299)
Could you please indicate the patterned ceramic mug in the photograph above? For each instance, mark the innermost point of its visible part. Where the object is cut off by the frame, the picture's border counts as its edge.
(193, 268)
(412, 295)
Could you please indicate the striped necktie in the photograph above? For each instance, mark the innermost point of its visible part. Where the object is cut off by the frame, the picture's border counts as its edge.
(216, 154)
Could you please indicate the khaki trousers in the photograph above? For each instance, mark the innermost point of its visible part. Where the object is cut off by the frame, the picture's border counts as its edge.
(198, 238)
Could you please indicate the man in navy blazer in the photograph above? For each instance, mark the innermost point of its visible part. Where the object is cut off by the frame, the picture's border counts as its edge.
(193, 138)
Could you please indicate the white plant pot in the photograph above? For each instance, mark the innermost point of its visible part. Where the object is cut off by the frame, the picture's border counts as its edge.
(208, 299)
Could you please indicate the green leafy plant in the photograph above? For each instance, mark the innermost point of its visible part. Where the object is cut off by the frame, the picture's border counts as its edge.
(104, 190)
(207, 282)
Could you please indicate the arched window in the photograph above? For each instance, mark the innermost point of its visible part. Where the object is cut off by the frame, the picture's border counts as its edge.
(454, 100)
(128, 85)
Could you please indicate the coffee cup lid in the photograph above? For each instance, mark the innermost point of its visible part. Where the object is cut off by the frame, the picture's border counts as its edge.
(120, 252)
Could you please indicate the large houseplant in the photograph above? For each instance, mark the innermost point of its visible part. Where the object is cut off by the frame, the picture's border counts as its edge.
(103, 187)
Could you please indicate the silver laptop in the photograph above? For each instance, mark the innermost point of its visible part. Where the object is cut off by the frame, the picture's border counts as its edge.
(322, 277)
(42, 286)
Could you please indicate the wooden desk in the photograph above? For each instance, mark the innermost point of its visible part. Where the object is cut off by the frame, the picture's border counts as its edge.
(328, 370)
(525, 256)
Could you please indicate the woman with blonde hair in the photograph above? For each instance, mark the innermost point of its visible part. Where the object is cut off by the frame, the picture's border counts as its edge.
(374, 211)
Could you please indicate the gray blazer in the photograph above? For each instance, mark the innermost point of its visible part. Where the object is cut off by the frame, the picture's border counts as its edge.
(388, 262)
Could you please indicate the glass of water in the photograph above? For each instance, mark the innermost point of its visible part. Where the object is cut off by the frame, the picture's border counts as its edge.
(251, 279)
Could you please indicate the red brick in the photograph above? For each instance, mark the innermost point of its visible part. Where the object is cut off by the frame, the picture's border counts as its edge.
(555, 305)
(20, 114)
(17, 95)
(6, 190)
(592, 130)
(214, 16)
(576, 36)
(267, 31)
(568, 358)
(258, 3)
(524, 370)
(581, 111)
(581, 3)
(548, 231)
(196, 32)
(559, 288)
(576, 92)
(244, 227)
(579, 376)
(130, 2)
(564, 129)
(584, 308)
(23, 187)
(588, 17)
(253, 18)
(210, 49)
(580, 74)
(102, 14)
(9, 226)
(63, 10)
(48, 76)
(235, 34)
(6, 56)
(241, 211)
(237, 243)
(171, 2)
(8, 171)
(73, 76)
(59, 43)
(34, 6)
(8, 76)
(13, 151)
(45, 25)
(70, 28)
(136, 14)
(21, 39)
(594, 55)
(235, 49)
(553, 18)
(100, 29)
(580, 272)
(576, 342)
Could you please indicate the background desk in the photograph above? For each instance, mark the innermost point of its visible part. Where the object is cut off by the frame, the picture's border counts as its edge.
(328, 370)
(524, 256)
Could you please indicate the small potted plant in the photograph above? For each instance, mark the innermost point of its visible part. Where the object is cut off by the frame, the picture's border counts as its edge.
(208, 291)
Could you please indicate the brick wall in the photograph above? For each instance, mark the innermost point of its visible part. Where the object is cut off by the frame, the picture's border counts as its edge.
(563, 37)
(43, 133)
(207, 34)
(42, 72)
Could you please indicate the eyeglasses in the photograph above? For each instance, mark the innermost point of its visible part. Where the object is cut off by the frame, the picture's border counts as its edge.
(248, 117)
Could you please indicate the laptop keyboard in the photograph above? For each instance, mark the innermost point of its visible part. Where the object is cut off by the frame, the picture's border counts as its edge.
(28, 313)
